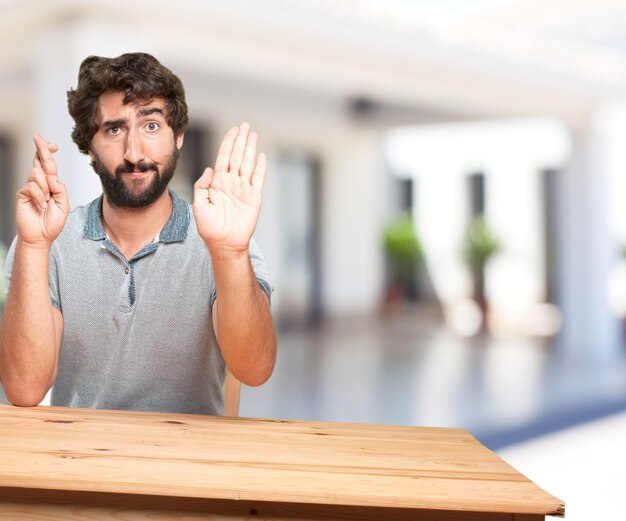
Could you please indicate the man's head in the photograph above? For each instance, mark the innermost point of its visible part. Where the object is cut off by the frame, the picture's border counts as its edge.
(130, 115)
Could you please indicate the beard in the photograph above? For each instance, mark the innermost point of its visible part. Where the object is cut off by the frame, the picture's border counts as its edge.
(119, 194)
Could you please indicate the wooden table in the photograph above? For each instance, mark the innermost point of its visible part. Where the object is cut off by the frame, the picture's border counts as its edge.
(63, 464)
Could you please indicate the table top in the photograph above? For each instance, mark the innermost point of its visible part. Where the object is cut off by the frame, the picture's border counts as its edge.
(193, 456)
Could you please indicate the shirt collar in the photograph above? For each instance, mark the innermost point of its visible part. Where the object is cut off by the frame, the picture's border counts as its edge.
(175, 228)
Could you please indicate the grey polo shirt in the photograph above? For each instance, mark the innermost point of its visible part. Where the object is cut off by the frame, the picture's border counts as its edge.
(138, 333)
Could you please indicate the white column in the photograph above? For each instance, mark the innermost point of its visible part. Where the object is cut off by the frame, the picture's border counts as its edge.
(516, 279)
(353, 209)
(585, 249)
(440, 221)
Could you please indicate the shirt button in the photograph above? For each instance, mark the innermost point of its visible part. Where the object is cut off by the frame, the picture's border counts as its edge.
(126, 271)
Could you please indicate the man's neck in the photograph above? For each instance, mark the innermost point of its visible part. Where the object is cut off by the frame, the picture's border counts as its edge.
(130, 229)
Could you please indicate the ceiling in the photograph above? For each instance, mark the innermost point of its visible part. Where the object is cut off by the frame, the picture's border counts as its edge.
(478, 58)
(583, 38)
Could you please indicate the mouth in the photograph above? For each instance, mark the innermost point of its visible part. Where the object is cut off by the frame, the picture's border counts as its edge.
(139, 173)
(136, 171)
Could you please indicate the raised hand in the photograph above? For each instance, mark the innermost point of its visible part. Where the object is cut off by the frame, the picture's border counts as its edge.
(227, 201)
(42, 203)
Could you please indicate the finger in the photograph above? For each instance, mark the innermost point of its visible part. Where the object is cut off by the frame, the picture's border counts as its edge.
(32, 192)
(59, 192)
(247, 165)
(40, 178)
(36, 161)
(55, 186)
(223, 156)
(44, 155)
(258, 178)
(239, 147)
(202, 185)
(205, 180)
(51, 146)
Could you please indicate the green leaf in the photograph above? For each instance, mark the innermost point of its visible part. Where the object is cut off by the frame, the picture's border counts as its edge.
(402, 246)
(480, 243)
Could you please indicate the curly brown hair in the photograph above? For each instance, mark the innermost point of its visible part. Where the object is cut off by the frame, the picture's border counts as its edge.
(139, 75)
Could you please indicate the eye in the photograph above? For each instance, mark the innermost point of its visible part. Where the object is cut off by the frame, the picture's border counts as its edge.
(114, 131)
(152, 126)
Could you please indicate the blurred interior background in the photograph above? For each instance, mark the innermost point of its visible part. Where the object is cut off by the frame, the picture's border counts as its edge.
(443, 215)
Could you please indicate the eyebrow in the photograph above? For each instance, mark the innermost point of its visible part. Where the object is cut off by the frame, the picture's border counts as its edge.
(150, 110)
(141, 113)
(113, 123)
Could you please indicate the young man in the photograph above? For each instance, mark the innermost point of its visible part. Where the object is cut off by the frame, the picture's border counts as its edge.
(137, 300)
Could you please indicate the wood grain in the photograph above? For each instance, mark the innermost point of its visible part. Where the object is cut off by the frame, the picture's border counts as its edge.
(57, 506)
(273, 466)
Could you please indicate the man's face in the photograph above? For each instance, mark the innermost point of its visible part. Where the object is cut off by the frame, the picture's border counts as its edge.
(134, 150)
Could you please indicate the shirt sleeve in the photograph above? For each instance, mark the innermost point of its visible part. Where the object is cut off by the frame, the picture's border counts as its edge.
(260, 271)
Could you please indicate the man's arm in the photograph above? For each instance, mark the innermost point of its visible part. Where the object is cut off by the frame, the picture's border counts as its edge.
(242, 321)
(32, 328)
(226, 207)
(31, 331)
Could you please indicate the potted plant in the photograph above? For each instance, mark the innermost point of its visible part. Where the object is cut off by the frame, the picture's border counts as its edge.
(404, 256)
(481, 244)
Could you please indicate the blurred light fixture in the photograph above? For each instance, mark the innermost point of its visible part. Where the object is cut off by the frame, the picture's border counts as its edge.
(362, 107)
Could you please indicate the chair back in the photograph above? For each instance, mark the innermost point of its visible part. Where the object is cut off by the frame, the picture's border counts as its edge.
(232, 389)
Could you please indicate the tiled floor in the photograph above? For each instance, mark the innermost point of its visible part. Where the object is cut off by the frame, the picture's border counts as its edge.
(408, 369)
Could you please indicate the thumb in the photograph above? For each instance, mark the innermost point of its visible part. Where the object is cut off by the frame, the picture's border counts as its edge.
(205, 179)
(202, 185)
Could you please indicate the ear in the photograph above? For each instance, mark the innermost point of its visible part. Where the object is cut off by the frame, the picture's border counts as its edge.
(179, 140)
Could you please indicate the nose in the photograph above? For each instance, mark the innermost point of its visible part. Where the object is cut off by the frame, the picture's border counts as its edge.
(133, 152)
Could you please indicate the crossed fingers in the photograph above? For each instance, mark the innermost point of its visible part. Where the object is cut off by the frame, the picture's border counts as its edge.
(43, 155)
(44, 165)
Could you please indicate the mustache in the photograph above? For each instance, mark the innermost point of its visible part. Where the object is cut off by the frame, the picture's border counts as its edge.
(142, 166)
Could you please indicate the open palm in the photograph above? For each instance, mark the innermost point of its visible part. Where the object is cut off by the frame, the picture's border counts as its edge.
(227, 201)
